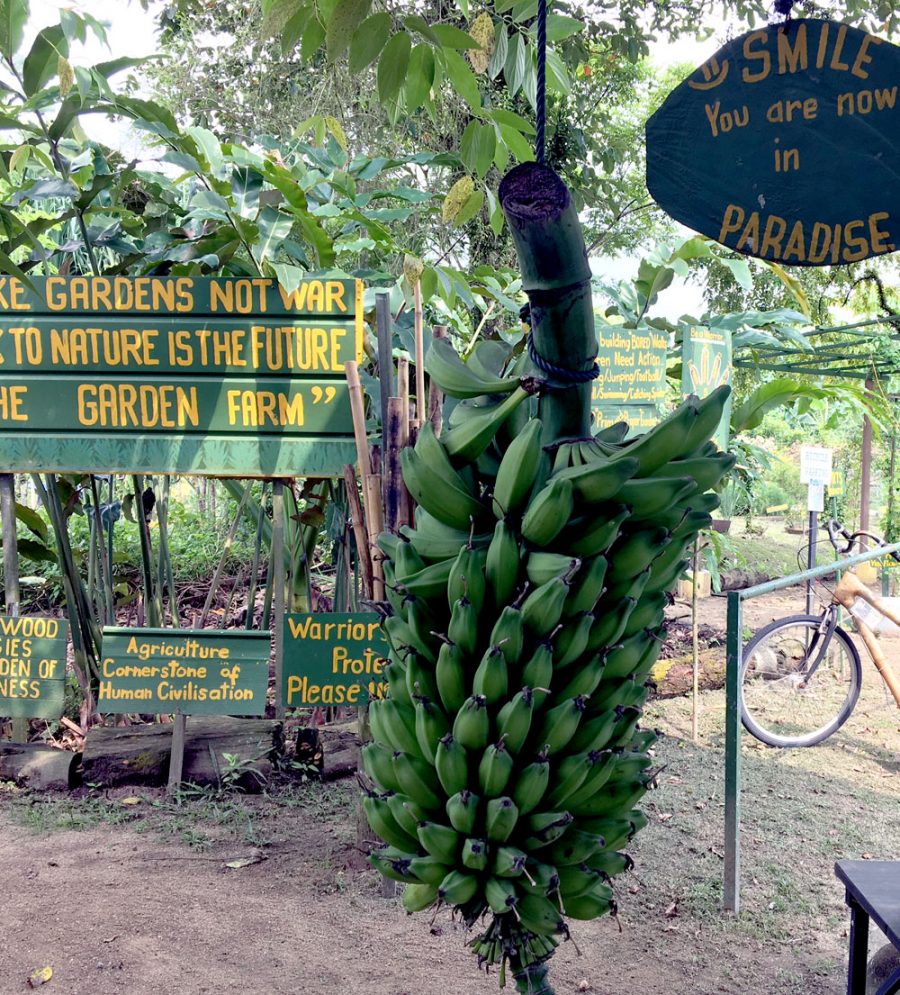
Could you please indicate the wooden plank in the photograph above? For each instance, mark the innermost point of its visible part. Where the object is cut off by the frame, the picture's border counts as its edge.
(176, 756)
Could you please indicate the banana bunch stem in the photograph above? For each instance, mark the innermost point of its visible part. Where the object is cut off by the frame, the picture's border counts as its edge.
(532, 980)
(557, 278)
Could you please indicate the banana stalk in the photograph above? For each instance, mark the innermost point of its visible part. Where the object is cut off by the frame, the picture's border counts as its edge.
(556, 276)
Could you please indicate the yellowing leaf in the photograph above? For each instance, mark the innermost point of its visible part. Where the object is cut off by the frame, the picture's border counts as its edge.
(66, 76)
(337, 130)
(412, 268)
(457, 197)
(40, 977)
(130, 800)
(482, 30)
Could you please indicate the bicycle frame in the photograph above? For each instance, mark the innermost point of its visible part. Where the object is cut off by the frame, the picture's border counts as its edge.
(848, 590)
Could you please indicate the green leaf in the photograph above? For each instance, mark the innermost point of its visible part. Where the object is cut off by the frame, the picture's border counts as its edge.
(44, 189)
(42, 61)
(274, 227)
(13, 15)
(471, 207)
(463, 79)
(501, 49)
(392, 66)
(516, 143)
(477, 147)
(557, 75)
(513, 120)
(771, 395)
(420, 77)
(514, 70)
(32, 520)
(293, 30)
(35, 551)
(368, 41)
(418, 24)
(107, 69)
(451, 37)
(344, 20)
(210, 147)
(560, 26)
(313, 37)
(740, 270)
(276, 14)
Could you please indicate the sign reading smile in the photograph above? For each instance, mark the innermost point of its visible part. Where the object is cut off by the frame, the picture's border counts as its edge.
(783, 145)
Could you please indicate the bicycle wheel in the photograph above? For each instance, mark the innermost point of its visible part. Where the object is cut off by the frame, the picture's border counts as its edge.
(779, 705)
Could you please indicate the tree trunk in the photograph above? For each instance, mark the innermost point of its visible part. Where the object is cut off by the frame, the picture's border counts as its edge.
(37, 766)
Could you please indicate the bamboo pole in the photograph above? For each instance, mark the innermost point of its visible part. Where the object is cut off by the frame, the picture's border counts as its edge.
(406, 423)
(418, 330)
(435, 394)
(371, 482)
(384, 323)
(359, 530)
(393, 478)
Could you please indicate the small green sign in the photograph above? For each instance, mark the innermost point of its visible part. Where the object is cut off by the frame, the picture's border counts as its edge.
(333, 658)
(640, 417)
(632, 382)
(836, 486)
(196, 671)
(706, 365)
(32, 666)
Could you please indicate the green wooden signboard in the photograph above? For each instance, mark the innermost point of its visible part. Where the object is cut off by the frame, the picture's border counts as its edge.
(783, 145)
(32, 666)
(333, 658)
(632, 382)
(706, 365)
(217, 376)
(197, 672)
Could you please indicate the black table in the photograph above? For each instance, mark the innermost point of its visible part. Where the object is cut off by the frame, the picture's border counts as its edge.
(873, 891)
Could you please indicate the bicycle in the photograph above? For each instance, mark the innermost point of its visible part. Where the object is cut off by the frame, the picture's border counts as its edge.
(801, 675)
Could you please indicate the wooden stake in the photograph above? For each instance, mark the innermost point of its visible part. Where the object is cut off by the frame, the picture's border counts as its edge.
(359, 530)
(435, 394)
(695, 647)
(357, 410)
(393, 478)
(375, 523)
(278, 591)
(11, 572)
(404, 501)
(384, 326)
(176, 757)
(418, 328)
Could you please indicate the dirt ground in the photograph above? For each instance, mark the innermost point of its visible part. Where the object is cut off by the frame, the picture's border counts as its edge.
(125, 898)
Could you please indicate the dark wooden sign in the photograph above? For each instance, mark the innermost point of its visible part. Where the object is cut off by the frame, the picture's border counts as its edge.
(32, 666)
(333, 658)
(195, 671)
(783, 145)
(632, 382)
(217, 376)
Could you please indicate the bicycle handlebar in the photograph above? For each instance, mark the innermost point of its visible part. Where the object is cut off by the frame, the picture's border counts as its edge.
(835, 529)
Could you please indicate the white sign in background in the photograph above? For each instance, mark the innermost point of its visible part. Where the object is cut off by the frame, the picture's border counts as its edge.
(815, 465)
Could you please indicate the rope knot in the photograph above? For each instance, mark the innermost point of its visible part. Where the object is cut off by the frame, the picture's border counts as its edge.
(783, 7)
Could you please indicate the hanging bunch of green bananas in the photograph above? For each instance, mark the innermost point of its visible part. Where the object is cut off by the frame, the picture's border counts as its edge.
(507, 760)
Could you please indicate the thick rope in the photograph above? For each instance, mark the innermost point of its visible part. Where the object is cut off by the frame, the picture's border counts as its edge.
(541, 92)
(560, 372)
(783, 7)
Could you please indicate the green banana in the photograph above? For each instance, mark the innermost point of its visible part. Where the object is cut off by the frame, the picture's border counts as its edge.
(595, 732)
(647, 614)
(514, 720)
(441, 842)
(587, 586)
(647, 497)
(541, 566)
(572, 639)
(569, 775)
(389, 864)
(502, 565)
(518, 470)
(560, 724)
(655, 447)
(491, 679)
(462, 811)
(594, 534)
(538, 672)
(599, 481)
(547, 827)
(376, 762)
(576, 879)
(509, 862)
(584, 679)
(508, 633)
(417, 779)
(706, 471)
(635, 551)
(457, 888)
(434, 541)
(595, 902)
(451, 764)
(384, 825)
(610, 619)
(463, 627)
(543, 607)
(709, 414)
(466, 441)
(542, 879)
(613, 801)
(494, 770)
(417, 897)
(616, 832)
(405, 812)
(465, 579)
(539, 915)
(431, 725)
(531, 785)
(501, 818)
(622, 660)
(472, 724)
(429, 582)
(442, 497)
(573, 847)
(548, 512)
(610, 863)
(420, 683)
(500, 895)
(450, 677)
(429, 869)
(475, 854)
(598, 775)
(459, 379)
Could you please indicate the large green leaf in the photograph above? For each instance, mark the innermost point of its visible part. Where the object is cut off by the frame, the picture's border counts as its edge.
(345, 19)
(771, 395)
(463, 79)
(419, 77)
(32, 520)
(451, 37)
(392, 66)
(368, 41)
(13, 15)
(42, 61)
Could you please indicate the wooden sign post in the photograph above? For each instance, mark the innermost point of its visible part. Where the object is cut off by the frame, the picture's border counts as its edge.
(188, 672)
(783, 145)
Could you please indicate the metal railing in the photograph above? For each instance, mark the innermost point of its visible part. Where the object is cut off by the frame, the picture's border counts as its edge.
(733, 662)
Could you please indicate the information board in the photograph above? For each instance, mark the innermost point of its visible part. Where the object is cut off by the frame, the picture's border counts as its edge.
(333, 658)
(782, 145)
(632, 382)
(194, 671)
(815, 465)
(32, 666)
(706, 365)
(221, 376)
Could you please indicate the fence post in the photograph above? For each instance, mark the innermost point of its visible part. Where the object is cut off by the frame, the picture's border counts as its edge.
(734, 648)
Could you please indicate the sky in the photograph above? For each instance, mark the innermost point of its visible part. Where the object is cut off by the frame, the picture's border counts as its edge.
(131, 32)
